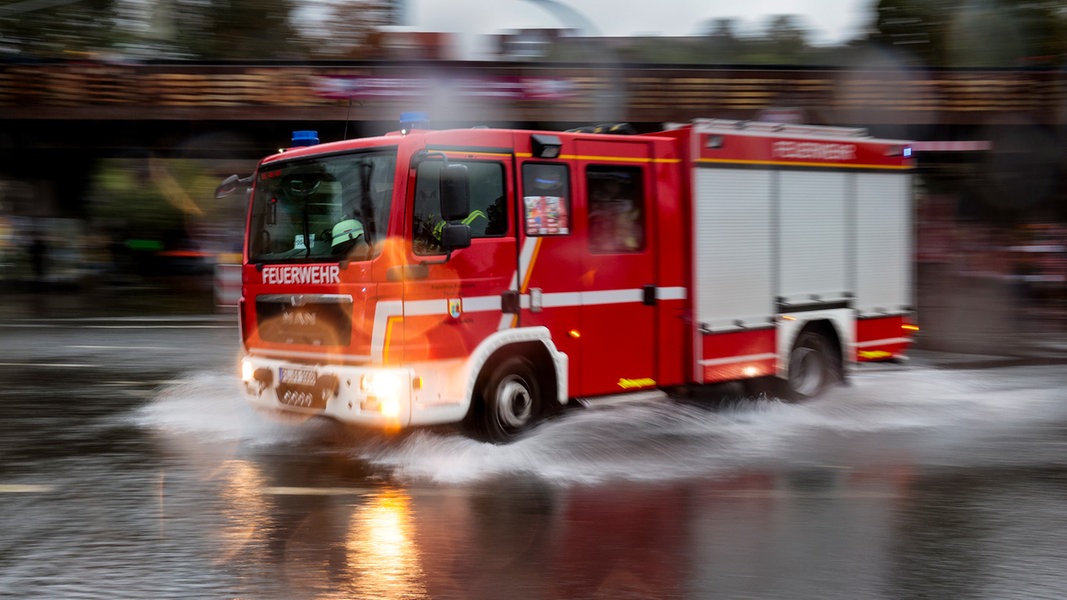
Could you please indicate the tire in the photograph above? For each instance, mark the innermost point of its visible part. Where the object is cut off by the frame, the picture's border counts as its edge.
(813, 366)
(510, 402)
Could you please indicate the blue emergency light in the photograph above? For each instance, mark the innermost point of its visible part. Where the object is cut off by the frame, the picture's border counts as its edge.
(305, 138)
(414, 120)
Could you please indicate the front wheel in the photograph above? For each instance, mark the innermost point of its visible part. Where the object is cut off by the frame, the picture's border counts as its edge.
(510, 402)
(812, 366)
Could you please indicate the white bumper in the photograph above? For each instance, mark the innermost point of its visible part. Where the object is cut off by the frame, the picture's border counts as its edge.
(387, 398)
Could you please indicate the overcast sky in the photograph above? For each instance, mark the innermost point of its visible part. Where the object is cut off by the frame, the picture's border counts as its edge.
(828, 20)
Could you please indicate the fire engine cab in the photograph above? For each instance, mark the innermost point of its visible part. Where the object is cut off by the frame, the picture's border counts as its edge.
(486, 277)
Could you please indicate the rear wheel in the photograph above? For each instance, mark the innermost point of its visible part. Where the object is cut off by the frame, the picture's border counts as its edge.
(511, 402)
(813, 366)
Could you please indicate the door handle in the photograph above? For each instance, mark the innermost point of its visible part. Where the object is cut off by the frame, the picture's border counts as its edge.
(649, 295)
(509, 302)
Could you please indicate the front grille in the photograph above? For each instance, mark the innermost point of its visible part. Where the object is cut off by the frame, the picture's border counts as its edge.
(310, 319)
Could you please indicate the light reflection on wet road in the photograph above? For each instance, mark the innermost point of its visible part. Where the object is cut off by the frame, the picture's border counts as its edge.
(129, 467)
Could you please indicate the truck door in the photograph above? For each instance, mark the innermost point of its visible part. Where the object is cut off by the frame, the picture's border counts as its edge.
(613, 206)
(586, 261)
(452, 305)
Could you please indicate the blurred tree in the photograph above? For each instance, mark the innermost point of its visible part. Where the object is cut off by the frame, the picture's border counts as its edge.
(191, 29)
(234, 29)
(783, 41)
(156, 199)
(57, 29)
(658, 51)
(351, 28)
(786, 35)
(912, 26)
(721, 42)
(1044, 24)
(124, 196)
(974, 33)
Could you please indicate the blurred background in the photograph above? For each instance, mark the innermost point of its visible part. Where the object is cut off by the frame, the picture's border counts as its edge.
(119, 117)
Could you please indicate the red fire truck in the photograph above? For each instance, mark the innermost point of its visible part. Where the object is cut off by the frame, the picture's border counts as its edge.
(487, 277)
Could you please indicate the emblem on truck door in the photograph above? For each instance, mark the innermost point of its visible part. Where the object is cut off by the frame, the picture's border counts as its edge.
(455, 307)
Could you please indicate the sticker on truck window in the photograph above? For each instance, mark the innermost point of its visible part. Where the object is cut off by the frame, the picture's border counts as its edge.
(546, 215)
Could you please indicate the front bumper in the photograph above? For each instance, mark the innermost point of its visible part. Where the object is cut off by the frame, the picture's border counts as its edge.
(370, 396)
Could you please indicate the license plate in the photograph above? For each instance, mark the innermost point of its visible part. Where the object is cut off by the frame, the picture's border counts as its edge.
(297, 376)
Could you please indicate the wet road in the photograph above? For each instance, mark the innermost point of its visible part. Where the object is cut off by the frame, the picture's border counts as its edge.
(130, 468)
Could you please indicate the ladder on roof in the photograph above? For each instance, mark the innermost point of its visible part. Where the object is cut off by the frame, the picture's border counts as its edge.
(779, 128)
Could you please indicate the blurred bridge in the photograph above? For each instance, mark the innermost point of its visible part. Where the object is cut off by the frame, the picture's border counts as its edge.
(511, 93)
(57, 118)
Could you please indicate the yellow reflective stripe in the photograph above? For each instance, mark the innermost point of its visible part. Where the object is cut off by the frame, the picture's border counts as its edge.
(629, 159)
(524, 288)
(389, 322)
(440, 225)
(474, 215)
(777, 163)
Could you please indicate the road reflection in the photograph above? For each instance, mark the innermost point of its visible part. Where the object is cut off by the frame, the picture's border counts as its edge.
(382, 557)
(290, 533)
(246, 508)
(631, 543)
(528, 538)
(139, 481)
(835, 514)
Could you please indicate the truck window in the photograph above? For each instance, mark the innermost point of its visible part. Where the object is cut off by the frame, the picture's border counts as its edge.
(546, 199)
(488, 216)
(321, 209)
(616, 209)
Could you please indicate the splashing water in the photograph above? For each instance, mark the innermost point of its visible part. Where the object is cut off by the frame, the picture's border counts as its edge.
(922, 415)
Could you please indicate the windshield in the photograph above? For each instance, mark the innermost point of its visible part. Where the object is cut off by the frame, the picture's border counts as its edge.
(329, 208)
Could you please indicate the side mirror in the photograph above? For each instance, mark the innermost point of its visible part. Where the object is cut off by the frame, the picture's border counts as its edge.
(455, 192)
(455, 236)
(229, 186)
(455, 198)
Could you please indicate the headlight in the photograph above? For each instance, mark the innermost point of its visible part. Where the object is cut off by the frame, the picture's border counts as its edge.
(383, 390)
(390, 407)
(381, 385)
(247, 370)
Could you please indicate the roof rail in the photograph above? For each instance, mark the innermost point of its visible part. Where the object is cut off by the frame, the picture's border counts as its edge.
(615, 128)
(781, 128)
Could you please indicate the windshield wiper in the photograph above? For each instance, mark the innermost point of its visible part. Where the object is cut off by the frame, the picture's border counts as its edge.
(307, 232)
(367, 203)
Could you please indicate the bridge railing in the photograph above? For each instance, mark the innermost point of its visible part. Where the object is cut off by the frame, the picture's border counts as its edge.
(523, 92)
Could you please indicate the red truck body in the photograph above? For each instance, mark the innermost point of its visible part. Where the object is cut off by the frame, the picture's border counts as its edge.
(588, 265)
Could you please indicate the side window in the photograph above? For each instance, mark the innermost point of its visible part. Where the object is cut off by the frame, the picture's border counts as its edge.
(546, 199)
(616, 209)
(489, 213)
